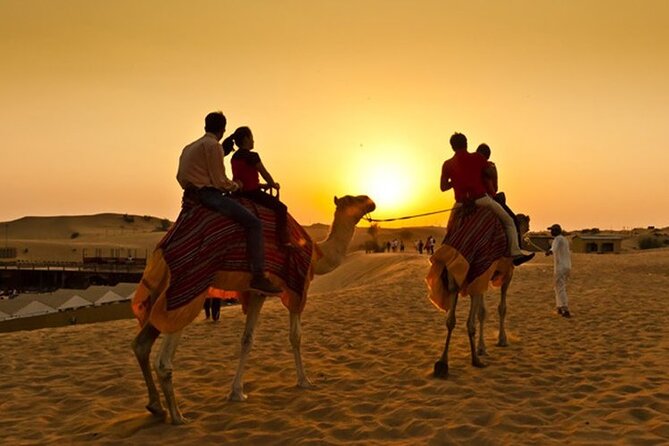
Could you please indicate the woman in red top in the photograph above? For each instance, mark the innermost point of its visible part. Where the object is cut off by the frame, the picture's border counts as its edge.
(247, 168)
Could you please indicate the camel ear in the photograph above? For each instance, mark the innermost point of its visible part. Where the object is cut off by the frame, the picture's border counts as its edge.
(336, 200)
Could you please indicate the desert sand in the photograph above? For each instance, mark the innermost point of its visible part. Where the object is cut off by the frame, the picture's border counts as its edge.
(370, 338)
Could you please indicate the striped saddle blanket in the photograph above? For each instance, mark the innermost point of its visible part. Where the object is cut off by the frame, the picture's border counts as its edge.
(478, 236)
(203, 244)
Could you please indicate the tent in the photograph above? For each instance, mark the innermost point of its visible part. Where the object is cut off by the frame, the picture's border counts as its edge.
(34, 308)
(109, 297)
(3, 316)
(126, 290)
(74, 302)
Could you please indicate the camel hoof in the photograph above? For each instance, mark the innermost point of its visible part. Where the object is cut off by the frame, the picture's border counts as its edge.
(440, 370)
(156, 409)
(502, 343)
(237, 396)
(306, 384)
(180, 420)
(478, 363)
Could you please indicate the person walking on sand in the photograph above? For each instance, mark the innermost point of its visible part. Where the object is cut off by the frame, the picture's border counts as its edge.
(201, 174)
(248, 168)
(464, 172)
(561, 268)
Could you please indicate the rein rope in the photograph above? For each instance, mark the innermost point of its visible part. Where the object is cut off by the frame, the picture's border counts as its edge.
(529, 241)
(407, 217)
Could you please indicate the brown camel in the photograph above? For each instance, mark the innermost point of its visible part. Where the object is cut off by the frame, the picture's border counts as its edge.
(473, 254)
(349, 211)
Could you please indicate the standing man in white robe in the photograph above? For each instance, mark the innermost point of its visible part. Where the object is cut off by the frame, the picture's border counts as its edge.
(561, 268)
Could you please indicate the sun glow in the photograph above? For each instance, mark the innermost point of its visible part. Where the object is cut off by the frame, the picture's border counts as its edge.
(388, 185)
(386, 176)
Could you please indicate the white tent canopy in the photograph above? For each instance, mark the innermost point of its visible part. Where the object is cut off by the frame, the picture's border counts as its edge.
(34, 308)
(3, 315)
(109, 297)
(73, 302)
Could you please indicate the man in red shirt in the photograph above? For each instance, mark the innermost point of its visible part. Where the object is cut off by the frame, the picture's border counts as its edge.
(465, 173)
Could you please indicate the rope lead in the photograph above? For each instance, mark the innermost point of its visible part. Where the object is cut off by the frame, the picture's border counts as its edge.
(372, 220)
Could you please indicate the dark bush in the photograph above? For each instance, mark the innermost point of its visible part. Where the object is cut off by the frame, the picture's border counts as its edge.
(74, 235)
(649, 243)
(128, 218)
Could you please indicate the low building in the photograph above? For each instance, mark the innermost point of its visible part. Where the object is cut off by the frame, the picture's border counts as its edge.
(600, 243)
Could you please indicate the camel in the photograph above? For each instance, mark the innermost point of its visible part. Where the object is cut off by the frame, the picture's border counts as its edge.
(332, 250)
(472, 255)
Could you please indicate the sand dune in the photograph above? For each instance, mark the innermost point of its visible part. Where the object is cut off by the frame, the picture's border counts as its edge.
(51, 238)
(370, 340)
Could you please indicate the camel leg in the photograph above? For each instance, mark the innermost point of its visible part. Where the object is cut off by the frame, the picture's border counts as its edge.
(501, 339)
(441, 366)
(256, 302)
(477, 300)
(482, 314)
(163, 366)
(295, 341)
(141, 346)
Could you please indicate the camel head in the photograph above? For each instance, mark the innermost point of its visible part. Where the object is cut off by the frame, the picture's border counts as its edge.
(354, 207)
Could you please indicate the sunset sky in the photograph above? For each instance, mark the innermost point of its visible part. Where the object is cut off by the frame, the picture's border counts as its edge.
(344, 97)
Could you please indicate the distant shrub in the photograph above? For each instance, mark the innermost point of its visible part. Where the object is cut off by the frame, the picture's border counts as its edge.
(74, 235)
(405, 234)
(25, 251)
(147, 218)
(372, 246)
(128, 218)
(165, 224)
(649, 243)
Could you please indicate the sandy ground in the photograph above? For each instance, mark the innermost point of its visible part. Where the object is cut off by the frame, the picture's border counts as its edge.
(370, 338)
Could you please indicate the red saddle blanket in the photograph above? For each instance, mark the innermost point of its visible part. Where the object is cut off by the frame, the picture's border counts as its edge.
(204, 249)
(472, 251)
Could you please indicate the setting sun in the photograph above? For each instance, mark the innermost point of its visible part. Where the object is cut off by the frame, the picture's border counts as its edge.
(389, 173)
(389, 184)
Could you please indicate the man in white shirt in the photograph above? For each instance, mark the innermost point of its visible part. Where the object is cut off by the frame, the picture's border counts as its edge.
(202, 175)
(561, 268)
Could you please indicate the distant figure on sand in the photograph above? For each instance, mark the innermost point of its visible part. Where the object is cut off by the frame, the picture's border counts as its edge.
(212, 308)
(561, 268)
(248, 168)
(492, 185)
(202, 176)
(465, 173)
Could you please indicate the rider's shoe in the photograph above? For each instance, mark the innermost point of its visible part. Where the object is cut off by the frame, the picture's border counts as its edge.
(522, 258)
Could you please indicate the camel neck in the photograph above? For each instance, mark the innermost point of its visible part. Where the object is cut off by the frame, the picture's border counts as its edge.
(335, 245)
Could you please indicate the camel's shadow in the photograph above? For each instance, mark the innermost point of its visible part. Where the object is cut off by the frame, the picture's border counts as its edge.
(125, 427)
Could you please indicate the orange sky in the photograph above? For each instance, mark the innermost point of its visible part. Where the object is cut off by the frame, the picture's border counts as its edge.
(98, 99)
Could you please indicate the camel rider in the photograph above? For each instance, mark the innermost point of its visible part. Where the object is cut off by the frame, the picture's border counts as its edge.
(491, 184)
(202, 176)
(465, 173)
